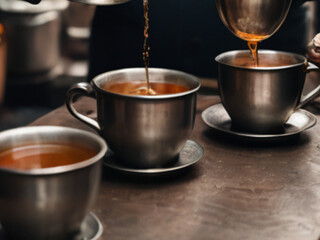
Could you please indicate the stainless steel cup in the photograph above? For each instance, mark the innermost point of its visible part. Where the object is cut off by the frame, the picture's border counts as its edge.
(49, 203)
(261, 99)
(253, 20)
(143, 131)
(33, 35)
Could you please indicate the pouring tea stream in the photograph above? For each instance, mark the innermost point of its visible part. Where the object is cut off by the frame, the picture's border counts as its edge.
(253, 21)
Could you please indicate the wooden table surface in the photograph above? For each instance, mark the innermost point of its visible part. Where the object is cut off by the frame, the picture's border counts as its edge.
(239, 190)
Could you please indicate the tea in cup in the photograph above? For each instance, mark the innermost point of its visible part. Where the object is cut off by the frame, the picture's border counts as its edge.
(143, 130)
(260, 99)
(49, 180)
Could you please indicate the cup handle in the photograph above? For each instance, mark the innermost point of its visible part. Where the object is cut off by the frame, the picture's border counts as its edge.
(313, 93)
(79, 89)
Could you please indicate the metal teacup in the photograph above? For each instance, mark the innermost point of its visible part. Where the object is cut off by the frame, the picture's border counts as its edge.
(144, 131)
(49, 203)
(253, 20)
(261, 99)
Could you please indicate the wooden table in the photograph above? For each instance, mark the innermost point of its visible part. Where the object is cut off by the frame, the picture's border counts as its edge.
(239, 190)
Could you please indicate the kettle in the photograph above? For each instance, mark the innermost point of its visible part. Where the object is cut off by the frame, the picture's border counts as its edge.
(253, 20)
(92, 2)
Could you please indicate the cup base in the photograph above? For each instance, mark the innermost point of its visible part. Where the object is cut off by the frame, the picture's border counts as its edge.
(18, 235)
(257, 129)
(91, 228)
(145, 164)
(191, 153)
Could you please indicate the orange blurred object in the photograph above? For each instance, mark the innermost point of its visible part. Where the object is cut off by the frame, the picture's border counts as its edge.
(3, 61)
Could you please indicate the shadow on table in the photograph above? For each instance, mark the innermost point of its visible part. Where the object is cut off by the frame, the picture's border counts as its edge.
(183, 175)
(238, 141)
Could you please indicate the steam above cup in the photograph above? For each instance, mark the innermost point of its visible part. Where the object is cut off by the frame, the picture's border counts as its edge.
(144, 131)
(261, 99)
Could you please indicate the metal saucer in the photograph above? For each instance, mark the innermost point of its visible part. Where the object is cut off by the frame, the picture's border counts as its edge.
(217, 118)
(191, 153)
(91, 229)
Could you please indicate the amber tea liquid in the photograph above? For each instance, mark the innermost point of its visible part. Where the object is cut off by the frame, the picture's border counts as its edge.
(134, 88)
(252, 41)
(38, 156)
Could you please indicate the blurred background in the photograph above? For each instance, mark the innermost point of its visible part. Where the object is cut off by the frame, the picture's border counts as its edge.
(44, 50)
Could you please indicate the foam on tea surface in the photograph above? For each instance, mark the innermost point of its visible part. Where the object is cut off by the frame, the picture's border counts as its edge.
(138, 88)
(38, 156)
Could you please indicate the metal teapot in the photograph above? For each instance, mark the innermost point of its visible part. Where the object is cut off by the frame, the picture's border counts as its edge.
(92, 2)
(253, 20)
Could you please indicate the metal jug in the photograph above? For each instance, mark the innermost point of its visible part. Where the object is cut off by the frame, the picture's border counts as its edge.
(253, 20)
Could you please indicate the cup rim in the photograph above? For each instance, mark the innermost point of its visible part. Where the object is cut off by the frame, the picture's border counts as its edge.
(151, 70)
(303, 61)
(54, 129)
